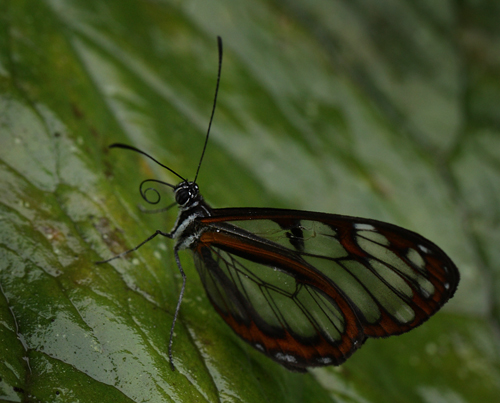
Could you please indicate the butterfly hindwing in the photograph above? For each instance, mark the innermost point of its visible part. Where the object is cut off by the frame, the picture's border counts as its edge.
(271, 305)
(308, 288)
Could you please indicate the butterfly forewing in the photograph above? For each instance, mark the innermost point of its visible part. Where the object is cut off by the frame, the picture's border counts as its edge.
(308, 288)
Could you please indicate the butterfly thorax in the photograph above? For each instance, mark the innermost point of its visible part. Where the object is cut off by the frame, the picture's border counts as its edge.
(187, 229)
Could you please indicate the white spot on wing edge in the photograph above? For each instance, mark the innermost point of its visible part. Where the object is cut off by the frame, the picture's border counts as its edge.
(424, 249)
(286, 357)
(324, 360)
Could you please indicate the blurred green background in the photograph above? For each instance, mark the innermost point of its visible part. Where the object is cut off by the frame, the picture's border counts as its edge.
(385, 109)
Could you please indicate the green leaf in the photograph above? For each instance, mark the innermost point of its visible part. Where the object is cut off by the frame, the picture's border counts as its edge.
(379, 109)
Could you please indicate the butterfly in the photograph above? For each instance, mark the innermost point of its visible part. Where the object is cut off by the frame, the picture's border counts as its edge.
(306, 289)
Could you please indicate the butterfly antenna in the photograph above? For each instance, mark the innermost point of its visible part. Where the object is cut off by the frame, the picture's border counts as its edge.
(127, 147)
(219, 43)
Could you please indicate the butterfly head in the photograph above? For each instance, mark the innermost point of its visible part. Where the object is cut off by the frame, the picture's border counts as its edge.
(187, 194)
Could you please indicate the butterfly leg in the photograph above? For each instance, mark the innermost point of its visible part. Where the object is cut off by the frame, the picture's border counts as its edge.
(179, 301)
(158, 232)
(177, 308)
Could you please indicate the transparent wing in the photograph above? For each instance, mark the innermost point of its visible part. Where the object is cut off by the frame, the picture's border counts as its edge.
(289, 320)
(308, 288)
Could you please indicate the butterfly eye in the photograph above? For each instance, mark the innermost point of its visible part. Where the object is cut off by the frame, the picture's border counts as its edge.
(182, 196)
(186, 192)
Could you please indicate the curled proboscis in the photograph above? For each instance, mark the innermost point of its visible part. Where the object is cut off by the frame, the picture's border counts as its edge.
(152, 189)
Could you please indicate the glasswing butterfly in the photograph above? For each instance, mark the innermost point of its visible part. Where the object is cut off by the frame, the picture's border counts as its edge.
(306, 289)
